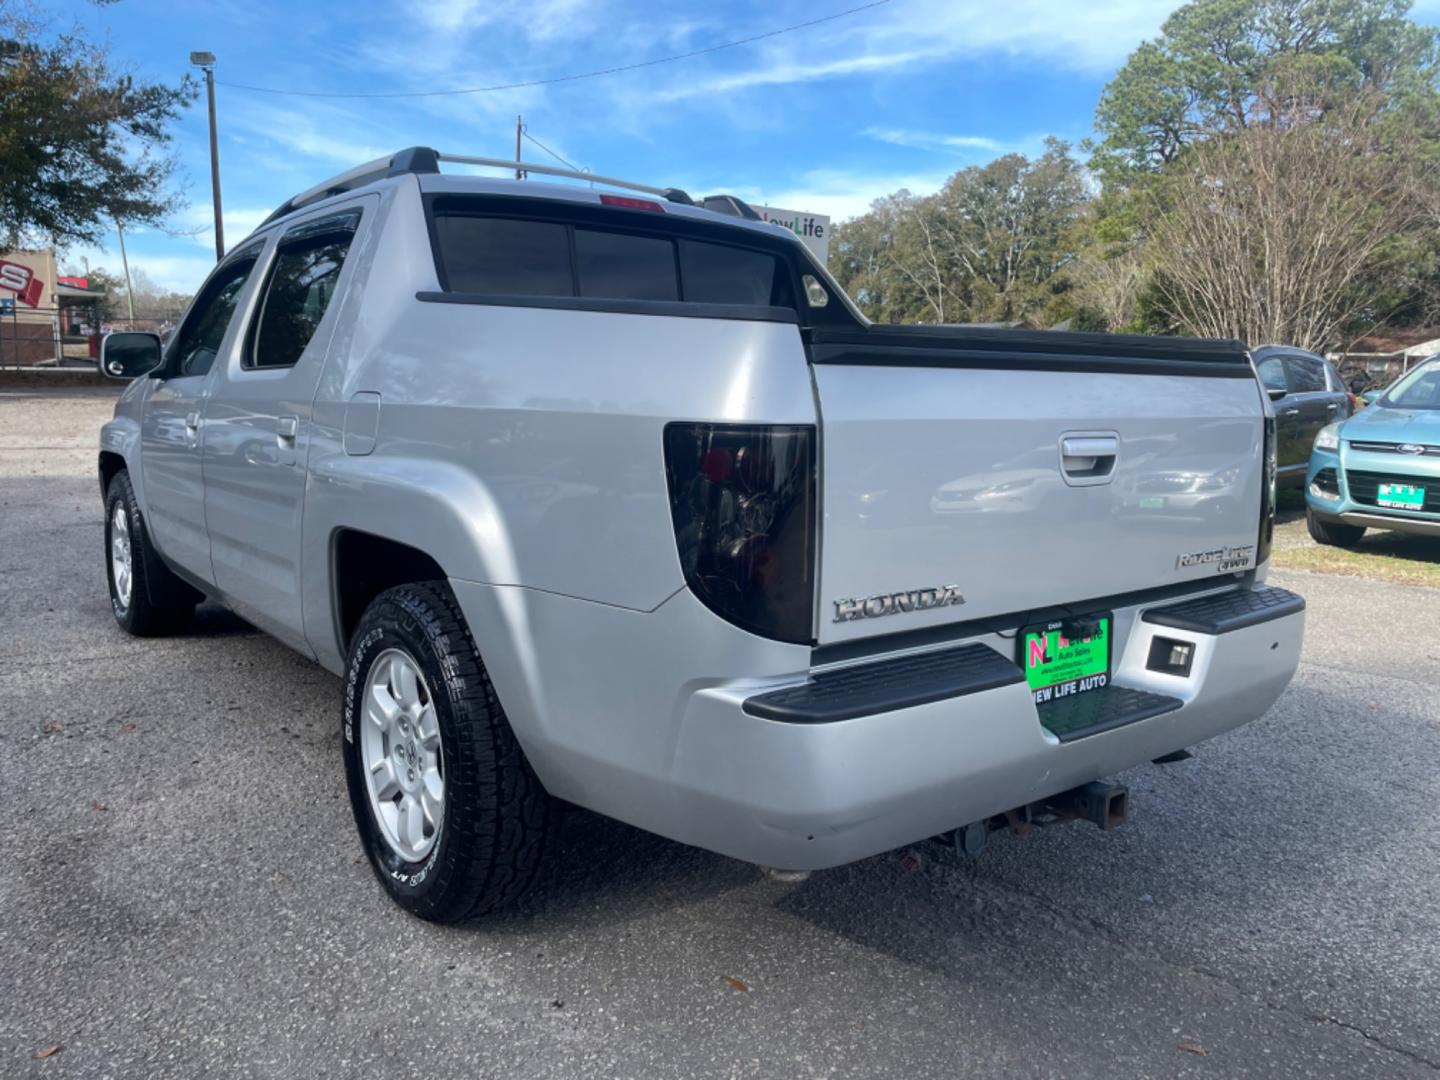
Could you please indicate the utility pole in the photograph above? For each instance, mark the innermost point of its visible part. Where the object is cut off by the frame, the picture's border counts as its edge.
(124, 262)
(206, 61)
(519, 129)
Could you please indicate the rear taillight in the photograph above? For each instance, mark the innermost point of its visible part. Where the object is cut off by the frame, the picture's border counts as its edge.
(743, 502)
(1267, 495)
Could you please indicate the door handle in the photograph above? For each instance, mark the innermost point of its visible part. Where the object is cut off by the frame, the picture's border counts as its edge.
(1331, 407)
(286, 428)
(1088, 459)
(192, 420)
(1291, 412)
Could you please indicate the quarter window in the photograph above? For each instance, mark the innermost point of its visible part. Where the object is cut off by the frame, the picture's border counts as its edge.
(302, 284)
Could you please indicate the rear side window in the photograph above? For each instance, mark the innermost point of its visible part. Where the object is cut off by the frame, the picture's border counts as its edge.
(301, 286)
(719, 274)
(620, 266)
(1307, 375)
(505, 256)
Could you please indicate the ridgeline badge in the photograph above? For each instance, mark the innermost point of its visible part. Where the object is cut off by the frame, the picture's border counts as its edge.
(872, 607)
(1225, 560)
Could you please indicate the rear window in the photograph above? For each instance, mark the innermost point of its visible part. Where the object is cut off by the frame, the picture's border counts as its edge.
(505, 255)
(502, 256)
(618, 266)
(719, 274)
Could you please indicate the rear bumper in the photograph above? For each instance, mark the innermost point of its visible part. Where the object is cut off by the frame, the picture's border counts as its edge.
(683, 757)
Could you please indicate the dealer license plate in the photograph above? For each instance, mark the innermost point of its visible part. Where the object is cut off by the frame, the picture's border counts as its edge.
(1401, 497)
(1071, 656)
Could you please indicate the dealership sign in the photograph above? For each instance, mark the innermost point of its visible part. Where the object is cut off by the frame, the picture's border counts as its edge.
(813, 229)
(22, 281)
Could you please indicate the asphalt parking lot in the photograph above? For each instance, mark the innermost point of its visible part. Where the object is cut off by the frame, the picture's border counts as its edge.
(183, 894)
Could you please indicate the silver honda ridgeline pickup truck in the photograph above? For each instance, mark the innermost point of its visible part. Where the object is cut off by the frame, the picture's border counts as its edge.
(617, 500)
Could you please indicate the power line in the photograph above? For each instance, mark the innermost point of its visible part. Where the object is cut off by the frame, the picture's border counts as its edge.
(525, 131)
(566, 78)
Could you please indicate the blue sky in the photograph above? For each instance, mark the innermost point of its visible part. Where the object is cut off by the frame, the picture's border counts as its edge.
(823, 119)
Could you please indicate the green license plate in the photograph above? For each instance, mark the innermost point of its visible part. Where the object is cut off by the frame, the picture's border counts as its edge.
(1401, 496)
(1068, 657)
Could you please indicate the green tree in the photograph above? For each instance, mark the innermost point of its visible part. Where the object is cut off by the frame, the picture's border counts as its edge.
(1205, 72)
(989, 246)
(81, 144)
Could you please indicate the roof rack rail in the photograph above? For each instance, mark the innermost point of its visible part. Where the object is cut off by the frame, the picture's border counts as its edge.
(422, 159)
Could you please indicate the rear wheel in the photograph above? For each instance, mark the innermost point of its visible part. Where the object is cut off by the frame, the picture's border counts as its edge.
(451, 816)
(1334, 533)
(145, 596)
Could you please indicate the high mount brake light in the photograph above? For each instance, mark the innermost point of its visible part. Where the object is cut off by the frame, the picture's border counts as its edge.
(743, 499)
(632, 204)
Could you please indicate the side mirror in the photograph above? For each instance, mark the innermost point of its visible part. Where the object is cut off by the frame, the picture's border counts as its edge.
(1371, 396)
(1275, 395)
(129, 354)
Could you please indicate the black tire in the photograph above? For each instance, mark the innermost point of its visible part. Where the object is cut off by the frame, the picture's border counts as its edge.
(158, 602)
(1335, 534)
(497, 819)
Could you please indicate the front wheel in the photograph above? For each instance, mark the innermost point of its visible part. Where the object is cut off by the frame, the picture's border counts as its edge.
(451, 816)
(145, 596)
(1333, 533)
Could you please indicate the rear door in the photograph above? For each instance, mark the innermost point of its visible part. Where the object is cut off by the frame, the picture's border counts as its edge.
(257, 429)
(170, 432)
(1316, 404)
(1024, 480)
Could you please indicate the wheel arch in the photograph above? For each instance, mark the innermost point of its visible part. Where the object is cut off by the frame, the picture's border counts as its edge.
(362, 566)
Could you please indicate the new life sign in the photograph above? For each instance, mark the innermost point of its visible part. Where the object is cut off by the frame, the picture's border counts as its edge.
(814, 229)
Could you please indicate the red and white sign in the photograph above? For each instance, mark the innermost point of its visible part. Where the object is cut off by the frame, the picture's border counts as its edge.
(22, 281)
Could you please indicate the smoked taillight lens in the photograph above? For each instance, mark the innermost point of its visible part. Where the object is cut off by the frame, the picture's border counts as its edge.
(1267, 495)
(742, 498)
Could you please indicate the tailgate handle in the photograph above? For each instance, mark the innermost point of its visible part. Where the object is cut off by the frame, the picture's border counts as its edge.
(1088, 458)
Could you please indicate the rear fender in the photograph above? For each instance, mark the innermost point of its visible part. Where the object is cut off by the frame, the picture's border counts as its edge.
(434, 506)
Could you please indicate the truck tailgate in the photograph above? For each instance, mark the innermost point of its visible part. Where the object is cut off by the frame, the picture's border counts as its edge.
(968, 474)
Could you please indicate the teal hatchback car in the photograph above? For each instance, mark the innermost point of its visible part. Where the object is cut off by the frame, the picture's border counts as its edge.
(1380, 469)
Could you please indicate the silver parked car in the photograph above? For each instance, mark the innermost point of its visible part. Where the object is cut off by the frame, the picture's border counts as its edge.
(616, 499)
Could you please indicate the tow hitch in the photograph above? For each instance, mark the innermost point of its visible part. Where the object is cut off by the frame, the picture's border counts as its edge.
(1104, 804)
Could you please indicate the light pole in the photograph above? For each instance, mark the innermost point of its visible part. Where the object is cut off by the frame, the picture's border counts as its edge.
(206, 61)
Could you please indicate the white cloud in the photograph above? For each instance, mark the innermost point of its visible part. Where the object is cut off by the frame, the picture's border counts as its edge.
(927, 140)
(842, 194)
(781, 72)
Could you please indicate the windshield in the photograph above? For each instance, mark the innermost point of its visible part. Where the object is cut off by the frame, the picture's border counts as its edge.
(1418, 390)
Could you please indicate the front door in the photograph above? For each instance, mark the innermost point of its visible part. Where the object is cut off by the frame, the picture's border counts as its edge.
(1288, 456)
(257, 425)
(170, 431)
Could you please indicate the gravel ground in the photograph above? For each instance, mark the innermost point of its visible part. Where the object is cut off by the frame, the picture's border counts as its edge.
(183, 894)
